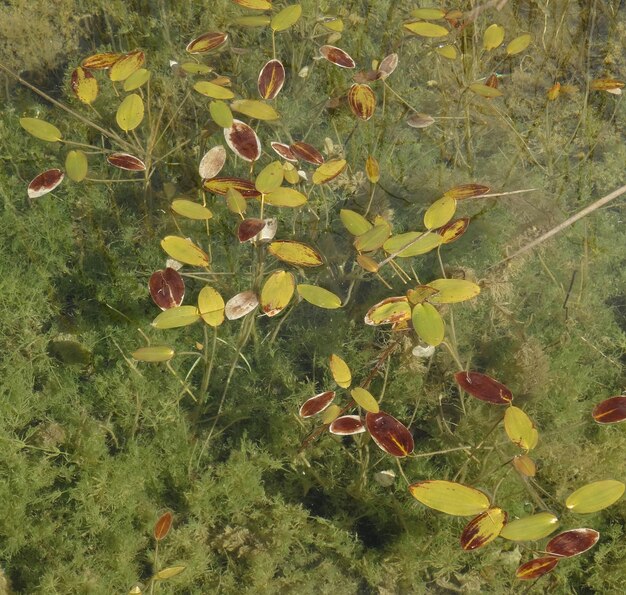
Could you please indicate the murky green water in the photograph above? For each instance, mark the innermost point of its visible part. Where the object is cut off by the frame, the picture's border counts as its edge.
(99, 444)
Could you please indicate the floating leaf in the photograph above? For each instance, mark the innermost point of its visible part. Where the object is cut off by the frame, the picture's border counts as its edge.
(372, 171)
(363, 398)
(318, 296)
(283, 150)
(207, 42)
(45, 182)
(184, 251)
(211, 306)
(316, 404)
(84, 85)
(243, 141)
(450, 497)
(253, 21)
(452, 231)
(126, 65)
(440, 212)
(307, 153)
(340, 371)
(447, 51)
(417, 242)
(524, 465)
(41, 130)
(389, 434)
(168, 573)
(519, 44)
(130, 112)
(493, 37)
(362, 101)
(572, 543)
(222, 185)
(484, 387)
(254, 4)
(270, 178)
(418, 120)
(285, 197)
(235, 202)
(531, 528)
(485, 90)
(291, 173)
(595, 496)
(76, 166)
(126, 162)
(389, 311)
(176, 317)
(209, 89)
(271, 79)
(287, 17)
(255, 109)
(212, 162)
(295, 253)
(167, 288)
(337, 56)
(196, 68)
(483, 529)
(425, 29)
(520, 428)
(163, 525)
(465, 191)
(241, 304)
(533, 569)
(610, 411)
(347, 425)
(331, 414)
(366, 263)
(428, 324)
(453, 290)
(277, 292)
(101, 61)
(388, 65)
(355, 224)
(420, 294)
(157, 353)
(137, 79)
(248, 229)
(373, 239)
(328, 171)
(221, 114)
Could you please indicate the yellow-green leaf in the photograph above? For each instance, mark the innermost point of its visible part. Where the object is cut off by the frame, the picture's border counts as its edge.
(40, 129)
(318, 296)
(253, 21)
(363, 398)
(340, 371)
(295, 253)
(483, 529)
(595, 496)
(84, 85)
(212, 90)
(126, 65)
(130, 112)
(428, 323)
(270, 177)
(137, 79)
(520, 428)
(196, 68)
(285, 197)
(531, 528)
(453, 290)
(169, 572)
(76, 166)
(425, 29)
(255, 4)
(440, 212)
(391, 310)
(328, 171)
(157, 353)
(355, 224)
(447, 51)
(493, 37)
(331, 414)
(519, 44)
(372, 169)
(190, 209)
(235, 202)
(420, 243)
(184, 251)
(286, 18)
(373, 239)
(334, 25)
(211, 306)
(176, 317)
(253, 108)
(221, 114)
(485, 90)
(450, 497)
(276, 292)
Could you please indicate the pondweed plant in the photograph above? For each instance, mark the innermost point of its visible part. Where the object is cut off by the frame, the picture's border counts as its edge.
(249, 242)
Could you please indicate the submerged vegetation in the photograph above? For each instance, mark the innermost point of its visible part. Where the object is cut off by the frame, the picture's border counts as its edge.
(279, 312)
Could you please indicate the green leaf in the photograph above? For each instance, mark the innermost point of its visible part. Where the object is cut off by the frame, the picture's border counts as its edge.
(221, 114)
(211, 306)
(190, 209)
(270, 177)
(421, 243)
(595, 496)
(286, 18)
(355, 224)
(253, 108)
(531, 528)
(493, 37)
(318, 296)
(453, 290)
(519, 44)
(425, 29)
(373, 239)
(169, 572)
(450, 497)
(363, 398)
(176, 317)
(41, 130)
(184, 251)
(520, 428)
(212, 90)
(428, 323)
(130, 112)
(76, 166)
(158, 353)
(440, 212)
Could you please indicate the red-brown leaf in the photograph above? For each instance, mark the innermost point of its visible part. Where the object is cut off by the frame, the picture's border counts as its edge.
(484, 387)
(307, 153)
(389, 434)
(317, 404)
(45, 182)
(271, 79)
(610, 411)
(101, 61)
(167, 288)
(283, 150)
(222, 185)
(535, 568)
(163, 526)
(248, 228)
(206, 42)
(126, 161)
(572, 543)
(337, 56)
(243, 141)
(347, 425)
(362, 101)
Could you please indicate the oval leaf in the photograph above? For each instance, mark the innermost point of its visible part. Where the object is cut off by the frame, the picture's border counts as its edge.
(483, 529)
(374, 238)
(452, 231)
(426, 29)
(389, 311)
(207, 42)
(241, 304)
(163, 526)
(221, 186)
(212, 162)
(573, 542)
(168, 573)
(255, 109)
(126, 162)
(363, 398)
(493, 37)
(484, 387)
(328, 171)
(287, 17)
(450, 497)
(84, 85)
(428, 324)
(137, 79)
(525, 465)
(531, 528)
(519, 44)
(440, 212)
(76, 166)
(307, 153)
(184, 251)
(316, 404)
(157, 353)
(271, 79)
(356, 224)
(40, 129)
(533, 569)
(101, 61)
(176, 317)
(520, 428)
(130, 113)
(295, 253)
(347, 425)
(453, 290)
(221, 114)
(362, 101)
(340, 371)
(209, 89)
(285, 197)
(243, 141)
(318, 296)
(465, 191)
(610, 411)
(417, 243)
(211, 306)
(389, 434)
(45, 182)
(167, 288)
(191, 210)
(277, 292)
(337, 56)
(126, 65)
(595, 496)
(283, 150)
(270, 178)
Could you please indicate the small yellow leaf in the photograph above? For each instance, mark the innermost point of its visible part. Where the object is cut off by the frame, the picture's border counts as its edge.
(493, 37)
(184, 251)
(318, 296)
(130, 112)
(531, 528)
(76, 166)
(295, 253)
(453, 290)
(425, 29)
(253, 21)
(176, 317)
(355, 224)
(440, 212)
(270, 178)
(372, 169)
(520, 428)
(483, 529)
(277, 292)
(285, 197)
(519, 44)
(40, 129)
(595, 496)
(428, 323)
(170, 572)
(211, 306)
(213, 91)
(84, 85)
(157, 353)
(286, 18)
(253, 108)
(190, 209)
(450, 497)
(328, 171)
(340, 371)
(363, 398)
